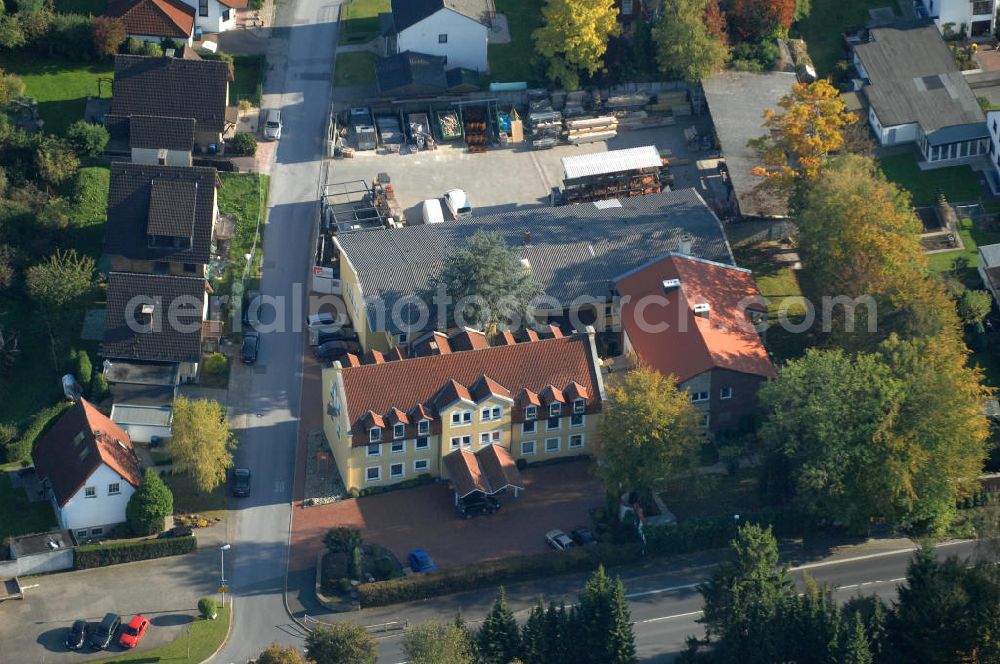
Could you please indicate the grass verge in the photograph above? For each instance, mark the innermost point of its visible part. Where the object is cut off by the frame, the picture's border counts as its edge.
(189, 499)
(958, 183)
(248, 80)
(200, 642)
(18, 516)
(513, 62)
(359, 22)
(60, 85)
(243, 195)
(826, 22)
(354, 69)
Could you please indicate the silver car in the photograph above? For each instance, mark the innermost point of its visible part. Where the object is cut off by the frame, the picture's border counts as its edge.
(272, 126)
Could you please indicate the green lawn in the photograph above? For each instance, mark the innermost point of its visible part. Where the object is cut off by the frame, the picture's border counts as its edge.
(512, 62)
(202, 641)
(706, 496)
(959, 183)
(188, 499)
(359, 21)
(249, 78)
(92, 7)
(354, 69)
(780, 285)
(60, 85)
(20, 517)
(826, 22)
(245, 196)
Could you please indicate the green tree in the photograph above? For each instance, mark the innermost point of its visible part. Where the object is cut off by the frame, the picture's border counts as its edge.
(55, 160)
(89, 140)
(60, 288)
(341, 643)
(436, 643)
(499, 638)
(11, 86)
(533, 636)
(744, 596)
(974, 306)
(649, 431)
(574, 37)
(486, 284)
(201, 443)
(276, 654)
(149, 505)
(556, 636)
(109, 32)
(809, 626)
(685, 46)
(83, 369)
(855, 648)
(342, 539)
(603, 629)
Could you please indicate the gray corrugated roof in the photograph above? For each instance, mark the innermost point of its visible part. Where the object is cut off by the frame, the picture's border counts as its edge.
(157, 416)
(574, 250)
(737, 101)
(990, 254)
(914, 79)
(612, 161)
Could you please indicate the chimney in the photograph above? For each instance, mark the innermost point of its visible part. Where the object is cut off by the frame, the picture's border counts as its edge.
(702, 310)
(684, 245)
(670, 285)
(526, 236)
(146, 313)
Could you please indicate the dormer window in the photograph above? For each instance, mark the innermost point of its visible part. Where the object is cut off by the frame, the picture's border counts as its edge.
(375, 435)
(398, 430)
(423, 427)
(579, 405)
(530, 413)
(555, 409)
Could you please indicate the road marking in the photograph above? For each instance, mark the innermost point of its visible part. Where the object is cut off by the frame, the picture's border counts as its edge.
(658, 591)
(869, 556)
(279, 486)
(868, 583)
(662, 618)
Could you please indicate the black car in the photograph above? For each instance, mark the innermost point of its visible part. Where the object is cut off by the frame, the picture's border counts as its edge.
(251, 344)
(251, 305)
(77, 635)
(334, 350)
(241, 482)
(476, 504)
(583, 536)
(345, 333)
(176, 531)
(102, 635)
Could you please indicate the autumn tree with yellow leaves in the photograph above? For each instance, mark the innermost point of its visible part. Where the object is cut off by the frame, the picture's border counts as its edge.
(574, 37)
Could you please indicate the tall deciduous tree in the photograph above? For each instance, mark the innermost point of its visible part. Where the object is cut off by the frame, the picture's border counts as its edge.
(60, 287)
(201, 443)
(650, 430)
(341, 643)
(55, 161)
(761, 19)
(109, 33)
(436, 643)
(974, 306)
(686, 47)
(486, 285)
(276, 654)
(499, 637)
(574, 37)
(149, 505)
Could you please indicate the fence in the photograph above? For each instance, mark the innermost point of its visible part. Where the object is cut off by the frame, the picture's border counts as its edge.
(310, 623)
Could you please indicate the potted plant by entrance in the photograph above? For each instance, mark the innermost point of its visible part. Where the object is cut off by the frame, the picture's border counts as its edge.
(207, 608)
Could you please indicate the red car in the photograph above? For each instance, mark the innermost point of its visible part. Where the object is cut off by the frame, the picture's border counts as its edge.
(134, 631)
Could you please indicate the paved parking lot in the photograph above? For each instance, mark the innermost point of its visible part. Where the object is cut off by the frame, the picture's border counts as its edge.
(559, 496)
(505, 178)
(166, 591)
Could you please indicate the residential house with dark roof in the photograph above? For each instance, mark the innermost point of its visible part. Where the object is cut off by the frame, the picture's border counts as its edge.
(457, 30)
(155, 20)
(159, 320)
(173, 87)
(916, 94)
(410, 74)
(88, 466)
(391, 417)
(573, 253)
(695, 319)
(161, 219)
(158, 140)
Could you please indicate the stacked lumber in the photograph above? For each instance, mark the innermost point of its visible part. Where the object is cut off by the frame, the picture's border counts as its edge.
(589, 130)
(637, 99)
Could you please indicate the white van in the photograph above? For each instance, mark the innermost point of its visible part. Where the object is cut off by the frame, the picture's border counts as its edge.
(458, 203)
(432, 213)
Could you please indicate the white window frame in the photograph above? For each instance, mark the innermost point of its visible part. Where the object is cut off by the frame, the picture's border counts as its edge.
(114, 488)
(461, 418)
(425, 462)
(494, 437)
(577, 420)
(402, 447)
(398, 430)
(705, 420)
(425, 446)
(534, 447)
(558, 447)
(579, 406)
(401, 473)
(375, 435)
(578, 436)
(555, 409)
(529, 426)
(378, 474)
(423, 427)
(90, 492)
(463, 441)
(699, 397)
(531, 412)
(726, 392)
(374, 450)
(548, 424)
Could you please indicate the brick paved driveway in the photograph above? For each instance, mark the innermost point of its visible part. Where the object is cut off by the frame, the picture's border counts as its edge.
(558, 496)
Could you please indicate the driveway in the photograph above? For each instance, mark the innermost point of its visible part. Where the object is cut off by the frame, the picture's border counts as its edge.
(559, 496)
(165, 590)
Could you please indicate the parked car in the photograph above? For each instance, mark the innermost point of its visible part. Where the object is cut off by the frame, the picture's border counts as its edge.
(241, 482)
(134, 631)
(251, 344)
(431, 211)
(251, 307)
(476, 504)
(272, 125)
(102, 635)
(558, 540)
(334, 350)
(458, 203)
(582, 536)
(420, 561)
(320, 321)
(345, 333)
(77, 635)
(176, 531)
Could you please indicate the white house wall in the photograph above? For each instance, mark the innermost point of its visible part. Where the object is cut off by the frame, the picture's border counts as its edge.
(143, 433)
(466, 45)
(894, 135)
(102, 511)
(214, 21)
(956, 12)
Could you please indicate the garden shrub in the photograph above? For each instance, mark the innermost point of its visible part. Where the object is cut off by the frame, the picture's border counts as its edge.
(419, 480)
(383, 568)
(89, 140)
(243, 143)
(207, 608)
(342, 538)
(355, 571)
(83, 369)
(216, 364)
(99, 388)
(114, 553)
(344, 585)
(20, 449)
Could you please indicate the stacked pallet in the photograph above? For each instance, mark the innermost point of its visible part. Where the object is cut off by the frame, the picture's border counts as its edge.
(589, 130)
(546, 128)
(475, 129)
(635, 100)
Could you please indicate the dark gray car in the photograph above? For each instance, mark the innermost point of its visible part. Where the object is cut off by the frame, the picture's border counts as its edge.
(102, 635)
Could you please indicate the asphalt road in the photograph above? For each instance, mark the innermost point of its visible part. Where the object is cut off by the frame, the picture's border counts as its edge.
(266, 417)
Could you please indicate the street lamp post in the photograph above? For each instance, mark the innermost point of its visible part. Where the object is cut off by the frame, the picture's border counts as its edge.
(222, 567)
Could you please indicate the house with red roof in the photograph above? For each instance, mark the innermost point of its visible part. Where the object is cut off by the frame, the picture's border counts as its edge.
(696, 319)
(88, 465)
(155, 20)
(463, 408)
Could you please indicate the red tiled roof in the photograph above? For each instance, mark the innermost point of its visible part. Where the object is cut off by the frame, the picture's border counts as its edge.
(552, 394)
(490, 470)
(576, 391)
(689, 344)
(154, 18)
(235, 4)
(485, 386)
(433, 343)
(527, 397)
(68, 459)
(467, 339)
(441, 379)
(396, 415)
(506, 338)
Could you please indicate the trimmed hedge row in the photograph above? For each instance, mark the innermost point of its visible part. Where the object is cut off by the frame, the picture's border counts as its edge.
(20, 448)
(495, 572)
(114, 553)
